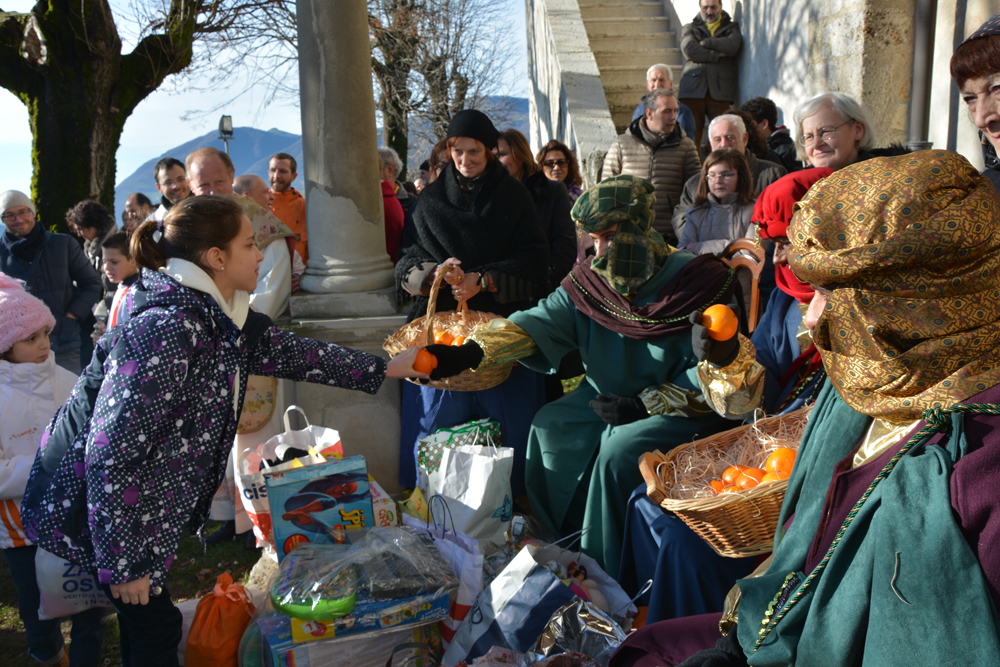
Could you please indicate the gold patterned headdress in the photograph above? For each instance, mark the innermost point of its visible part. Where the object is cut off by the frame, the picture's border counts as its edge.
(911, 247)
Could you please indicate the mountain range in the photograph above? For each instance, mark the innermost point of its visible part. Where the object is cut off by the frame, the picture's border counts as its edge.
(250, 150)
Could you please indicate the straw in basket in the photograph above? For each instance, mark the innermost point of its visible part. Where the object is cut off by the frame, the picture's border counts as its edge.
(734, 524)
(461, 322)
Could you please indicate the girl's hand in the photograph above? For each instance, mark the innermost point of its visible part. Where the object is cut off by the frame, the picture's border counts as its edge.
(132, 592)
(468, 288)
(401, 366)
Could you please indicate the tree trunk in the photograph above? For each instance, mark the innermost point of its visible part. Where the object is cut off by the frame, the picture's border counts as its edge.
(79, 90)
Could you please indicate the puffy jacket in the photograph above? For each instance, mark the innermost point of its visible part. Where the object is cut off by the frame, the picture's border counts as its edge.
(58, 265)
(715, 224)
(764, 173)
(668, 166)
(710, 67)
(137, 452)
(29, 396)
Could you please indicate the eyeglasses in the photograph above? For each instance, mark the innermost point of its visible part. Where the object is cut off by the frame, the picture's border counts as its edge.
(11, 217)
(822, 133)
(724, 176)
(548, 164)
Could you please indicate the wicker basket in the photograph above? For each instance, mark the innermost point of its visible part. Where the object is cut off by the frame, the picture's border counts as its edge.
(461, 322)
(737, 524)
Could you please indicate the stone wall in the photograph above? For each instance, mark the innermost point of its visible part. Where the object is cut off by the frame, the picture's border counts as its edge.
(566, 99)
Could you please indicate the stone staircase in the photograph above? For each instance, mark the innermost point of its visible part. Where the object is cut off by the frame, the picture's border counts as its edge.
(626, 37)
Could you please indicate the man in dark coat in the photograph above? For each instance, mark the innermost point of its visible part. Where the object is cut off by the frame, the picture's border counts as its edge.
(710, 43)
(49, 264)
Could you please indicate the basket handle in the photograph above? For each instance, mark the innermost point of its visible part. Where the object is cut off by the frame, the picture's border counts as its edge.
(648, 464)
(463, 305)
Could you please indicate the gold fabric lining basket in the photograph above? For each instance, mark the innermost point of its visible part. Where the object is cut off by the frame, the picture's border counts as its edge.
(735, 525)
(461, 322)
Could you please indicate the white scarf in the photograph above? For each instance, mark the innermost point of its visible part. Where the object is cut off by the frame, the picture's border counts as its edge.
(194, 277)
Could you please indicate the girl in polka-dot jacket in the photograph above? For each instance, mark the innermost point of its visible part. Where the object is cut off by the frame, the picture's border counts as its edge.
(135, 455)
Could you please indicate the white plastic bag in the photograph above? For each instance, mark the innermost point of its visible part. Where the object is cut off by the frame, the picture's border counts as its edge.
(475, 482)
(65, 589)
(319, 441)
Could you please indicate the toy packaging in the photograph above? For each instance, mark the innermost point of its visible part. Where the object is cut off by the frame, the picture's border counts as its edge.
(353, 651)
(384, 511)
(319, 504)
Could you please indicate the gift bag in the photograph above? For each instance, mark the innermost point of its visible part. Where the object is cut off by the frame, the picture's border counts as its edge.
(318, 441)
(430, 448)
(475, 482)
(64, 588)
(512, 611)
(462, 554)
(218, 626)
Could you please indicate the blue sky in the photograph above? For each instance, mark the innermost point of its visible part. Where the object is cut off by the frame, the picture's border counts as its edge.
(156, 124)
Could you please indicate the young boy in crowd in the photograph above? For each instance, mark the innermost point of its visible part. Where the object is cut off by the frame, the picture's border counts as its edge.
(120, 269)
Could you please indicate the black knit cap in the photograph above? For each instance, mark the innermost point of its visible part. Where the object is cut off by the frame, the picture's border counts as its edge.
(474, 124)
(988, 29)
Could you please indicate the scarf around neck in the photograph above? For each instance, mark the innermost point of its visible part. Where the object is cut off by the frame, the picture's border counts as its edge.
(267, 228)
(26, 247)
(194, 277)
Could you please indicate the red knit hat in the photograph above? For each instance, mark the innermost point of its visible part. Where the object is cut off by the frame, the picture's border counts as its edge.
(772, 213)
(20, 313)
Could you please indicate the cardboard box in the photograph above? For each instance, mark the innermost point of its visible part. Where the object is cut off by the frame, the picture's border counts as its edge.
(319, 503)
(368, 649)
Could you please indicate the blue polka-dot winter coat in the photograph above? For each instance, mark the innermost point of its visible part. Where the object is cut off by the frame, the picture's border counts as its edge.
(137, 452)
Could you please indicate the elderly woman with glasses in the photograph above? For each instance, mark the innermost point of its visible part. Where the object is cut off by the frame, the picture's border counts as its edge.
(833, 130)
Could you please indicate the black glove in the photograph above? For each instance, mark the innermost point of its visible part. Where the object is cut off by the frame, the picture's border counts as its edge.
(619, 410)
(454, 360)
(727, 653)
(719, 353)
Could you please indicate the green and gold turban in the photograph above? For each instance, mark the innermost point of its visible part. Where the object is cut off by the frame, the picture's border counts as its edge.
(638, 250)
(910, 246)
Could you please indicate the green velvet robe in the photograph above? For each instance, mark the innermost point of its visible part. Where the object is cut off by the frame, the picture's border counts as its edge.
(581, 471)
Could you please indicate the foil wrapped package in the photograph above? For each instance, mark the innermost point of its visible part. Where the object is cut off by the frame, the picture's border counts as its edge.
(578, 627)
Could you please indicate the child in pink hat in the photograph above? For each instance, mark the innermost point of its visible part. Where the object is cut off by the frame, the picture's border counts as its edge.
(32, 387)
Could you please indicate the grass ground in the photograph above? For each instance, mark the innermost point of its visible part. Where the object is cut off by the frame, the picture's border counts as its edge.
(193, 575)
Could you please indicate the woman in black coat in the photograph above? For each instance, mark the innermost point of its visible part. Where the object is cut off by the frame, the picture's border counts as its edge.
(479, 220)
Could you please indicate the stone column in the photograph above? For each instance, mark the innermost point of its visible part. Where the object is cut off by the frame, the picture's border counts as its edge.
(347, 258)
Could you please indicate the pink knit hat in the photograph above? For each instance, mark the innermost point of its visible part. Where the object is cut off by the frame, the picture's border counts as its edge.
(20, 313)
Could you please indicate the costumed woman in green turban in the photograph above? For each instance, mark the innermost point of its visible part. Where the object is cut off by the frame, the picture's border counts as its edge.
(885, 552)
(628, 310)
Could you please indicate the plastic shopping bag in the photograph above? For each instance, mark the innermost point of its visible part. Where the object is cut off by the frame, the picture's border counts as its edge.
(318, 441)
(65, 589)
(462, 554)
(219, 623)
(512, 611)
(475, 482)
(431, 447)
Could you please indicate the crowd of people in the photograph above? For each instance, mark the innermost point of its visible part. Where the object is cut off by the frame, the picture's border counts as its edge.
(137, 367)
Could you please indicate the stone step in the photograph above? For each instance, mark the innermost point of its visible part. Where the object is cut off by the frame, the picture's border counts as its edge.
(636, 42)
(622, 96)
(631, 76)
(627, 26)
(640, 58)
(603, 9)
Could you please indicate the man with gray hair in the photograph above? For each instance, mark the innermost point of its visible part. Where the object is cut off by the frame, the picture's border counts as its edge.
(709, 83)
(728, 131)
(392, 167)
(661, 76)
(654, 147)
(254, 188)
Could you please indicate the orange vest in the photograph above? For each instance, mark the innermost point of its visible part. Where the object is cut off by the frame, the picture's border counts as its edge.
(290, 208)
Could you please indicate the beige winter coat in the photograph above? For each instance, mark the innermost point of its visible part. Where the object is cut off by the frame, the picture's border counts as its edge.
(668, 165)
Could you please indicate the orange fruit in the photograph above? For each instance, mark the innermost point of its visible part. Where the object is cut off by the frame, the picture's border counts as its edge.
(770, 477)
(780, 462)
(443, 338)
(730, 474)
(749, 478)
(720, 321)
(425, 362)
(716, 485)
(459, 340)
(729, 489)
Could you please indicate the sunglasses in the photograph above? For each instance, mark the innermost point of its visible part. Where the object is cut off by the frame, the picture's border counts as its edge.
(552, 163)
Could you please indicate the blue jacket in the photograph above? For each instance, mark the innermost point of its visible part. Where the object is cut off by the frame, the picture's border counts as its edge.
(58, 265)
(685, 117)
(137, 452)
